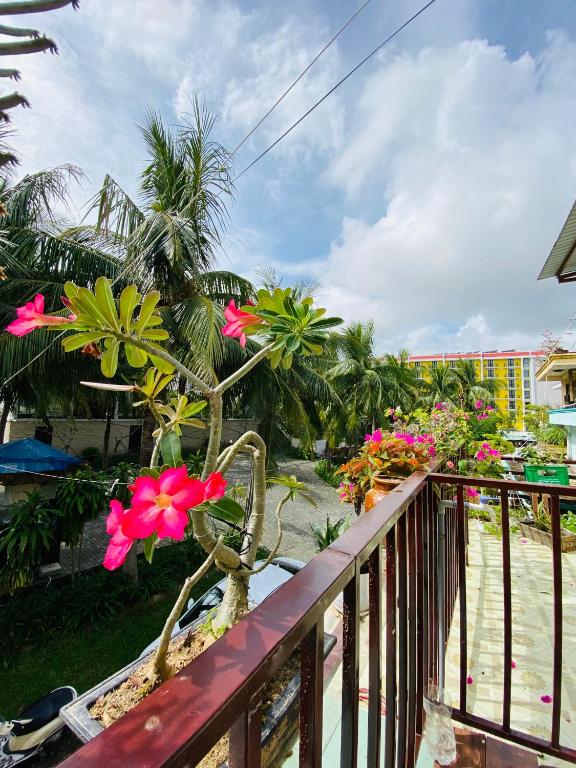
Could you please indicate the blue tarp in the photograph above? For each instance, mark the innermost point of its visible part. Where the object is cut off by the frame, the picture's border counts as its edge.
(29, 455)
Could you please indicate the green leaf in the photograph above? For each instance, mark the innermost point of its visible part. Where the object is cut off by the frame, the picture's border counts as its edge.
(148, 306)
(194, 423)
(106, 303)
(154, 334)
(150, 472)
(129, 299)
(135, 356)
(149, 545)
(78, 340)
(170, 449)
(109, 362)
(225, 509)
(88, 306)
(162, 365)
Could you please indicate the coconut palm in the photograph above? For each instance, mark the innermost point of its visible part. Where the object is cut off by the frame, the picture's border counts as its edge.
(39, 252)
(441, 386)
(26, 41)
(472, 388)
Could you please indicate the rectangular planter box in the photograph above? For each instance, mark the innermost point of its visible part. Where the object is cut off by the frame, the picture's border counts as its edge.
(568, 539)
(278, 722)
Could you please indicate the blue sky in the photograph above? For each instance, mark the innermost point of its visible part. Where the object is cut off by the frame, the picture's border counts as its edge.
(425, 194)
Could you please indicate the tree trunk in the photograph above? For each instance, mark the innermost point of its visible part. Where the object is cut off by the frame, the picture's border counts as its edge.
(147, 445)
(107, 429)
(130, 567)
(8, 402)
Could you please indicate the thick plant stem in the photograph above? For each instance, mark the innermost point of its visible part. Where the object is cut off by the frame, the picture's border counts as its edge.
(234, 604)
(160, 669)
(256, 523)
(196, 381)
(276, 547)
(215, 434)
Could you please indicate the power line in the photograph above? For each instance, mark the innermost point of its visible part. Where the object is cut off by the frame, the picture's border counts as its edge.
(335, 87)
(300, 76)
(268, 113)
(109, 483)
(33, 360)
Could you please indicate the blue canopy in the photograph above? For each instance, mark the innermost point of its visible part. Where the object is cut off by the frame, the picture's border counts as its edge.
(29, 455)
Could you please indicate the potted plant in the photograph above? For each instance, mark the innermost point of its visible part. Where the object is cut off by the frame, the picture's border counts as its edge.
(539, 529)
(384, 461)
(166, 501)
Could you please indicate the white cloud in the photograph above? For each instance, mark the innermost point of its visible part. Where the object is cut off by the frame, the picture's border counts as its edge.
(472, 154)
(246, 67)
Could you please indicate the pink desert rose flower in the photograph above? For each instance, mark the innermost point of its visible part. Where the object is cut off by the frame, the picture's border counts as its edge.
(32, 316)
(119, 544)
(494, 452)
(238, 321)
(160, 505)
(214, 487)
(375, 437)
(489, 407)
(546, 698)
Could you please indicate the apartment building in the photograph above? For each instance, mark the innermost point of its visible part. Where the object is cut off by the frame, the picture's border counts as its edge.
(515, 372)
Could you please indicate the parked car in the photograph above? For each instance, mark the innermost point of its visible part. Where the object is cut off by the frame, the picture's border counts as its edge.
(280, 570)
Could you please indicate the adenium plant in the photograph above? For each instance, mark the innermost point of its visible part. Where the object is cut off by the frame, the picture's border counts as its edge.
(165, 500)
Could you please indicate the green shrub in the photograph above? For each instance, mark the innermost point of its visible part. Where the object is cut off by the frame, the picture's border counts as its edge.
(327, 535)
(327, 472)
(31, 531)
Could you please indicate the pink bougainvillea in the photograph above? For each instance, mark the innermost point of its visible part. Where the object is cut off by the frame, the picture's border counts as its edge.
(471, 493)
(375, 437)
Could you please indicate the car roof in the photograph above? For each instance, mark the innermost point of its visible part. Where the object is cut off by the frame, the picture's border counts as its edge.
(263, 584)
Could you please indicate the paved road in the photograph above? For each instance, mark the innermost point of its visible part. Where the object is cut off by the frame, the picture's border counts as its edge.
(297, 540)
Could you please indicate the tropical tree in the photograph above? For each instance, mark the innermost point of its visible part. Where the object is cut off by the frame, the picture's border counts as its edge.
(441, 386)
(27, 41)
(39, 252)
(471, 387)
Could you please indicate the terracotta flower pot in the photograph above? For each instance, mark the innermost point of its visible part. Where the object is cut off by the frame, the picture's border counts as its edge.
(381, 487)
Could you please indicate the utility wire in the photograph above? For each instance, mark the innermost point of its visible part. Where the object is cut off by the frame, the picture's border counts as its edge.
(297, 122)
(33, 360)
(109, 483)
(300, 76)
(335, 87)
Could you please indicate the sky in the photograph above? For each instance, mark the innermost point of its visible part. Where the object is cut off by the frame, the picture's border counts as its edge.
(424, 195)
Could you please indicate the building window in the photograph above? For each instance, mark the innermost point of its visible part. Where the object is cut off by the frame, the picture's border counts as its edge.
(44, 434)
(490, 373)
(434, 363)
(417, 364)
(452, 363)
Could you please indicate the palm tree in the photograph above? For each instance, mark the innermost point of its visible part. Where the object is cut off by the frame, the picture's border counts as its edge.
(171, 236)
(471, 388)
(361, 380)
(27, 41)
(401, 381)
(38, 254)
(442, 386)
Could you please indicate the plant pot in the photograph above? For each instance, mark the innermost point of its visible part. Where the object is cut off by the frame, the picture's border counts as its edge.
(567, 538)
(279, 721)
(382, 485)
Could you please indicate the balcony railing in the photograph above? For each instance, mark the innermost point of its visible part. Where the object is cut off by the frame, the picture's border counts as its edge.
(423, 554)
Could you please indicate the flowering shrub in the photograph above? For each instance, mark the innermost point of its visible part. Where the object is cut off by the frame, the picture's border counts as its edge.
(393, 454)
(486, 462)
(165, 500)
(449, 426)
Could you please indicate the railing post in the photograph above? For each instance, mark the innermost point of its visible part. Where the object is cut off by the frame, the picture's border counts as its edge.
(440, 593)
(246, 737)
(350, 673)
(391, 687)
(375, 658)
(311, 697)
